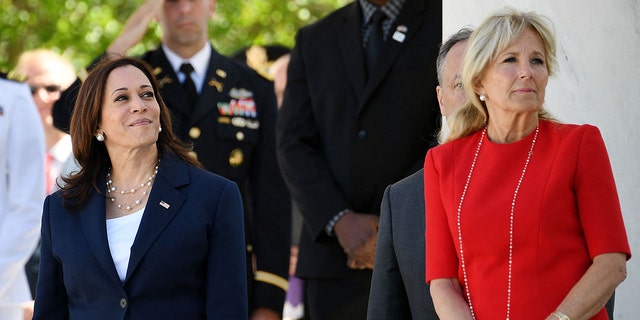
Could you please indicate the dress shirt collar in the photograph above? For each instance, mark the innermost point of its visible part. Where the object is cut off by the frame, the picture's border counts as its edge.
(391, 10)
(199, 61)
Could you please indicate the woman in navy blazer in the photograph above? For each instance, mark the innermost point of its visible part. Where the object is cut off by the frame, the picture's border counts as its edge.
(140, 232)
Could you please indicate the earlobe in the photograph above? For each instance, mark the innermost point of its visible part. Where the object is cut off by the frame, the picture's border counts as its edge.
(477, 87)
(439, 95)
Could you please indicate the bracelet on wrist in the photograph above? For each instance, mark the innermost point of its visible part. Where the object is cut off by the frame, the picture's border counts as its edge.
(560, 315)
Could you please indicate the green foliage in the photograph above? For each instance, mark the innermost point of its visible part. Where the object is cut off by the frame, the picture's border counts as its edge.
(83, 29)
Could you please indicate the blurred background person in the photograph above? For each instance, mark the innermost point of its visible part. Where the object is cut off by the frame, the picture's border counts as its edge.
(542, 236)
(278, 71)
(140, 232)
(294, 301)
(21, 193)
(272, 62)
(398, 287)
(48, 74)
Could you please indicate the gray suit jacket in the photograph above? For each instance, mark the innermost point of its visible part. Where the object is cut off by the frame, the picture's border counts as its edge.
(398, 287)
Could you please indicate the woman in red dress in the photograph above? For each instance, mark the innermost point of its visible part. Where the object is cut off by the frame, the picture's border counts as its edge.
(523, 217)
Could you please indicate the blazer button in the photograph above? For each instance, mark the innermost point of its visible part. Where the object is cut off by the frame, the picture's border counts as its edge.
(123, 303)
(362, 134)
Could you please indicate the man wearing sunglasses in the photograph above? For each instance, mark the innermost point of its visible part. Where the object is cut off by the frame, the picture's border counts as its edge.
(47, 74)
(50, 89)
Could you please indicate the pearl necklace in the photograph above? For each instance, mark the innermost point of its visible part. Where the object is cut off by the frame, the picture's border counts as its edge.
(111, 190)
(511, 217)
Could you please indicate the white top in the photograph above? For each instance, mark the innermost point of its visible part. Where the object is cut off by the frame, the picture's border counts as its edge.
(121, 232)
(21, 192)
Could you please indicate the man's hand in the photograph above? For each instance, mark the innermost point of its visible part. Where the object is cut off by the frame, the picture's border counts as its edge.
(136, 27)
(357, 234)
(264, 314)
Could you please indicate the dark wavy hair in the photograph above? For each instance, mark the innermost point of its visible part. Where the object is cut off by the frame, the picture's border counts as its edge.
(92, 155)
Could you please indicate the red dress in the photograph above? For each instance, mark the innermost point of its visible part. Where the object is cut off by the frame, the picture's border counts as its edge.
(567, 212)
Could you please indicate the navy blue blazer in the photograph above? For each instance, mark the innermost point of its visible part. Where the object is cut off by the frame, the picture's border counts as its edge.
(187, 260)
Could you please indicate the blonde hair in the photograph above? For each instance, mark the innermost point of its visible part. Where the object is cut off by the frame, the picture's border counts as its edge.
(45, 59)
(496, 33)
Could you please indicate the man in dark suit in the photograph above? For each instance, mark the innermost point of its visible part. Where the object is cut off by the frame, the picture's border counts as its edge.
(227, 111)
(398, 287)
(357, 116)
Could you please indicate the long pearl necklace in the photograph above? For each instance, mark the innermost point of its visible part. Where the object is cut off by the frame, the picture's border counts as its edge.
(112, 190)
(513, 207)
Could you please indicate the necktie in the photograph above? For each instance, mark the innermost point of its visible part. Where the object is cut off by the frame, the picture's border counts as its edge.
(188, 85)
(372, 51)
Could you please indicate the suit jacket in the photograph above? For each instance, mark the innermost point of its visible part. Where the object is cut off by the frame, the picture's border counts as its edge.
(187, 260)
(21, 192)
(398, 287)
(343, 139)
(232, 129)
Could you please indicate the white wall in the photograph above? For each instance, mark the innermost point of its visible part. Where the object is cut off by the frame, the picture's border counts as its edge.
(598, 82)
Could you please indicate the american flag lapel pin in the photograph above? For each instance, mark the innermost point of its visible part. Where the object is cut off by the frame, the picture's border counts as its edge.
(164, 204)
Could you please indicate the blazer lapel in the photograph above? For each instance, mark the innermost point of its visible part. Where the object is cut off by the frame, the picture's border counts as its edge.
(350, 40)
(400, 33)
(93, 219)
(163, 204)
(168, 83)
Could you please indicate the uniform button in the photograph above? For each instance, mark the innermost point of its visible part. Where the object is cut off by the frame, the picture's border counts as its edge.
(249, 248)
(362, 134)
(240, 135)
(194, 133)
(123, 303)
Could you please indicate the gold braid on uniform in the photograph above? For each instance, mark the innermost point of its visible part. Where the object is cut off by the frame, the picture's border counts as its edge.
(258, 60)
(273, 279)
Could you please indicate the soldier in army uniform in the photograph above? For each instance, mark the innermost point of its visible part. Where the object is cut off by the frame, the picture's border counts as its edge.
(229, 118)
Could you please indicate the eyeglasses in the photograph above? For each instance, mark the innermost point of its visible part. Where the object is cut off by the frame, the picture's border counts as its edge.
(52, 88)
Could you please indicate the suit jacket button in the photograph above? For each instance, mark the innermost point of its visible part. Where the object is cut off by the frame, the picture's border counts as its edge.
(123, 303)
(362, 134)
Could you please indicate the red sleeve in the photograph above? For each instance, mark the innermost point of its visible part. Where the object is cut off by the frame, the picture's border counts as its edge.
(441, 253)
(597, 197)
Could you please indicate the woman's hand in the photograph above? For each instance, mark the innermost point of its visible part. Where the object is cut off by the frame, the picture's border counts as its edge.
(448, 299)
(589, 295)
